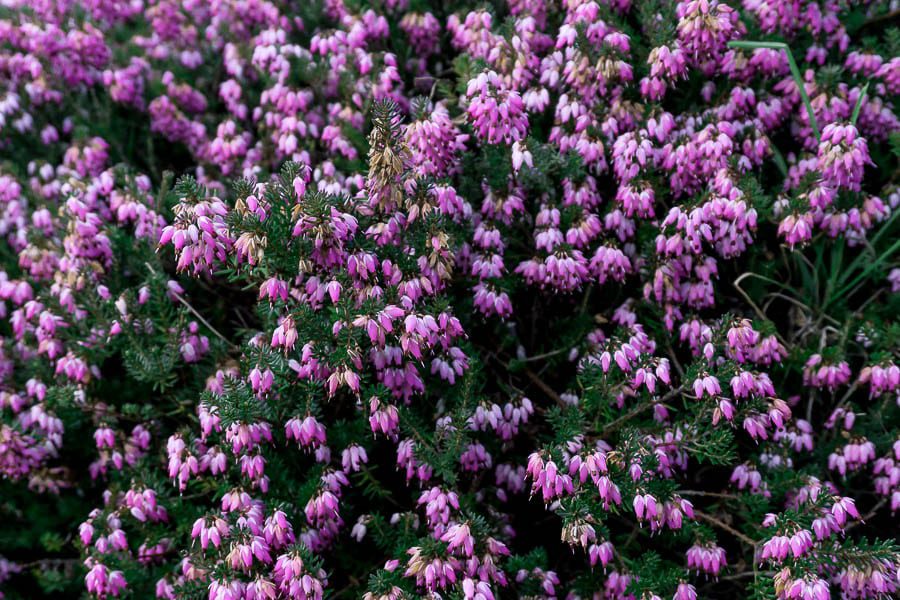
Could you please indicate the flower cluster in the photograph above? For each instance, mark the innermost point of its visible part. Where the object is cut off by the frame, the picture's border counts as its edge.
(593, 299)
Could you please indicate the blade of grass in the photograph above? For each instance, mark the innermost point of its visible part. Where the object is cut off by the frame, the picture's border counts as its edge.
(837, 260)
(864, 256)
(859, 101)
(780, 284)
(778, 157)
(885, 228)
(795, 73)
(809, 275)
(869, 269)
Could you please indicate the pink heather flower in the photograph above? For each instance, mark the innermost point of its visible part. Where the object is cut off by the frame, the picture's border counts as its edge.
(873, 579)
(322, 507)
(776, 548)
(821, 374)
(476, 590)
(490, 301)
(103, 582)
(383, 418)
(293, 578)
(810, 587)
(645, 507)
(431, 573)
(435, 142)
(475, 458)
(547, 479)
(747, 477)
(640, 198)
(104, 437)
(521, 156)
(882, 378)
(504, 420)
(707, 386)
(458, 537)
(843, 508)
(274, 289)
(261, 381)
(423, 31)
(685, 591)
(407, 460)
(496, 112)
(666, 63)
(438, 504)
(199, 235)
(704, 28)
(796, 229)
(210, 531)
(285, 335)
(308, 433)
(602, 553)
(278, 531)
(842, 156)
(631, 152)
(707, 559)
(353, 457)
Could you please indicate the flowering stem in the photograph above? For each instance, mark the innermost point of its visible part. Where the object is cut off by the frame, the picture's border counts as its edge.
(795, 72)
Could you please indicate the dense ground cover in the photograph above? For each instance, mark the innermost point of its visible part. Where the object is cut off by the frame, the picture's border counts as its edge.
(405, 299)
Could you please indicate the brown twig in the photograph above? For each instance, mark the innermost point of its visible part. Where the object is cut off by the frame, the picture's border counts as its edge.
(757, 309)
(545, 355)
(709, 494)
(45, 563)
(878, 19)
(613, 425)
(194, 312)
(533, 377)
(868, 515)
(725, 527)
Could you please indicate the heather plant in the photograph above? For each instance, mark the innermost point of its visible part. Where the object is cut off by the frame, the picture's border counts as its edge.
(579, 299)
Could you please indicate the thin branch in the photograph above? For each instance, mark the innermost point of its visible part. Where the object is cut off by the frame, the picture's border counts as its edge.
(745, 574)
(46, 563)
(195, 312)
(612, 426)
(755, 307)
(545, 355)
(878, 19)
(674, 358)
(709, 494)
(544, 387)
(868, 515)
(725, 527)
